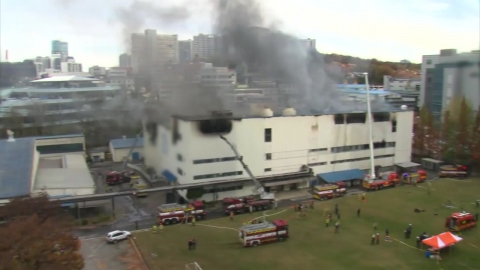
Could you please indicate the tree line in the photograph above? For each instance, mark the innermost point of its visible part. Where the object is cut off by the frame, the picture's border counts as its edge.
(455, 139)
(376, 69)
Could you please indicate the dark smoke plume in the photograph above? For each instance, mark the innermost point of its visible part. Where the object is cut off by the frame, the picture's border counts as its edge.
(275, 54)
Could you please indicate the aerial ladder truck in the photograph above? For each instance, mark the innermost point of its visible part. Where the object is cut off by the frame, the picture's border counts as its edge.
(258, 186)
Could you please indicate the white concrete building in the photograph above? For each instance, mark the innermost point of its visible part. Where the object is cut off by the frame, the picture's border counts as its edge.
(97, 71)
(217, 76)
(67, 175)
(70, 67)
(310, 43)
(401, 84)
(151, 51)
(119, 76)
(275, 148)
(120, 149)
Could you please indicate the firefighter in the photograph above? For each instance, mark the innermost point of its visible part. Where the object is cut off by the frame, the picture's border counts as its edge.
(193, 220)
(338, 215)
(373, 239)
(190, 244)
(337, 226)
(418, 241)
(358, 212)
(231, 215)
(327, 222)
(161, 226)
(295, 208)
(154, 229)
(250, 209)
(377, 238)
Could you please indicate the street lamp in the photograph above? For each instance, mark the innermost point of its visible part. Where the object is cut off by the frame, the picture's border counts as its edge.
(370, 125)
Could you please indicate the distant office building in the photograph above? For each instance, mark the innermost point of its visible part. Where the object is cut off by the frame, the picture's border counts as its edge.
(152, 51)
(203, 46)
(447, 76)
(56, 61)
(120, 76)
(60, 47)
(310, 43)
(97, 71)
(185, 51)
(125, 60)
(401, 84)
(70, 66)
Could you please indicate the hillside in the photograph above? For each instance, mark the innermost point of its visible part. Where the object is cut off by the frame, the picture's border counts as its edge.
(376, 69)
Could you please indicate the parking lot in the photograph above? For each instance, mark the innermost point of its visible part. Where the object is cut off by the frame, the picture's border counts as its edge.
(98, 255)
(129, 210)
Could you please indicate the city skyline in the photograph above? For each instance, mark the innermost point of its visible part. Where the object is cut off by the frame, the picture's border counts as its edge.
(395, 31)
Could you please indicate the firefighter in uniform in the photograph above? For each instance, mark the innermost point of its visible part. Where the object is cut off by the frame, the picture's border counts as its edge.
(193, 220)
(154, 229)
(231, 215)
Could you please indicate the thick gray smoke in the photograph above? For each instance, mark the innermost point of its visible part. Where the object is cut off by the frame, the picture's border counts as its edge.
(276, 55)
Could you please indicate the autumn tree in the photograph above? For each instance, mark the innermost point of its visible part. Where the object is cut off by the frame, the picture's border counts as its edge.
(36, 235)
(463, 137)
(475, 138)
(447, 138)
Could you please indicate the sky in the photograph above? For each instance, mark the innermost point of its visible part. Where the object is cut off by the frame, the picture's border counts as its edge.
(388, 30)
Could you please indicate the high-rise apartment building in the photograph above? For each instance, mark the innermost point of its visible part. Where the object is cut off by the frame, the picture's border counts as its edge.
(447, 76)
(152, 51)
(125, 60)
(60, 47)
(185, 51)
(203, 46)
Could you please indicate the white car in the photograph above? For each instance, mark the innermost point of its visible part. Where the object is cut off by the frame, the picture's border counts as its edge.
(115, 236)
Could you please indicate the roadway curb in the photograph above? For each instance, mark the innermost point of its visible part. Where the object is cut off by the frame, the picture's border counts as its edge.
(94, 226)
(138, 253)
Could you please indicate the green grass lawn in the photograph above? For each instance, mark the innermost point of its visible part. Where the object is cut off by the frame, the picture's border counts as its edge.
(312, 246)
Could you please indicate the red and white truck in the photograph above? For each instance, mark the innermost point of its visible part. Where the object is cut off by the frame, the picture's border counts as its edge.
(329, 191)
(253, 235)
(174, 213)
(243, 205)
(116, 178)
(453, 171)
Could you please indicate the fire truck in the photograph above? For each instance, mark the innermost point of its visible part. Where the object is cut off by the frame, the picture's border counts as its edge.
(460, 221)
(242, 205)
(413, 176)
(386, 179)
(262, 233)
(115, 178)
(174, 213)
(453, 171)
(329, 191)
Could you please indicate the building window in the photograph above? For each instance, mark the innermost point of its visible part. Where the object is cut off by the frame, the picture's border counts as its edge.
(61, 148)
(268, 169)
(179, 157)
(394, 126)
(268, 135)
(213, 160)
(215, 175)
(268, 156)
(384, 156)
(317, 164)
(214, 190)
(180, 172)
(429, 62)
(349, 160)
(318, 150)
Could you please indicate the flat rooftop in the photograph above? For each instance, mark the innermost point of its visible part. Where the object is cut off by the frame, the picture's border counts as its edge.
(66, 172)
(299, 114)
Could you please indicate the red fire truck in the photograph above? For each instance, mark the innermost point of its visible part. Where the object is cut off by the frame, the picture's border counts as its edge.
(453, 171)
(115, 178)
(243, 205)
(386, 179)
(460, 221)
(329, 191)
(262, 233)
(174, 213)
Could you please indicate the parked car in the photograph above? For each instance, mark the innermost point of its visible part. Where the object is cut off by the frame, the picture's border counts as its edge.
(115, 236)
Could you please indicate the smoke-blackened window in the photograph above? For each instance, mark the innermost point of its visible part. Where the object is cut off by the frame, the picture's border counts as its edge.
(268, 135)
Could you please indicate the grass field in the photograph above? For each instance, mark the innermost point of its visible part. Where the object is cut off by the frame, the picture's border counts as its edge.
(312, 246)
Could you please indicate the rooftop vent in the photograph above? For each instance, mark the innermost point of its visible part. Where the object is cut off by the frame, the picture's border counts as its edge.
(289, 112)
(10, 135)
(266, 112)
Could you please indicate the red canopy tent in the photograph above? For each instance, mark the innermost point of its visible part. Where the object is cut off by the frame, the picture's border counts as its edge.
(442, 240)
